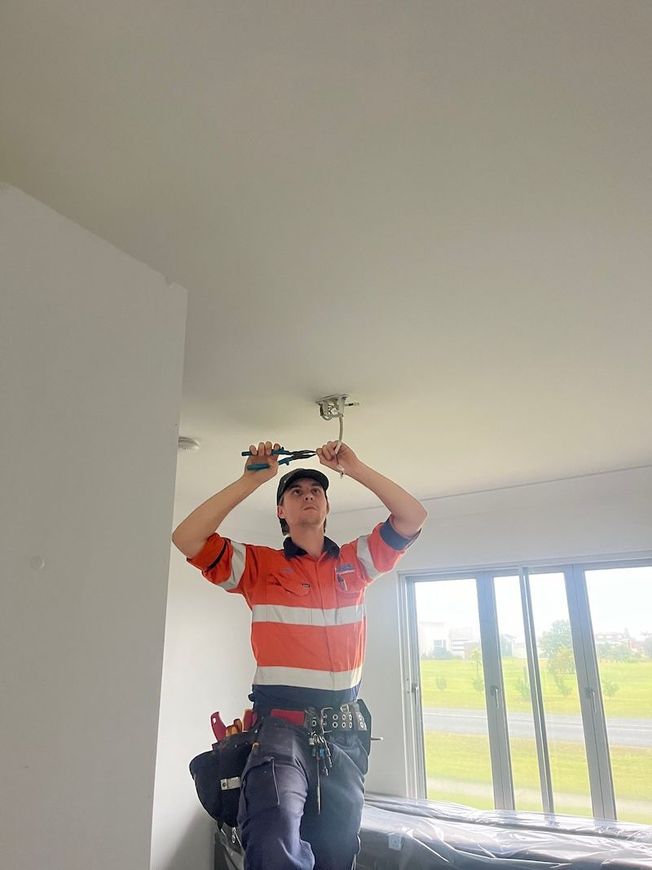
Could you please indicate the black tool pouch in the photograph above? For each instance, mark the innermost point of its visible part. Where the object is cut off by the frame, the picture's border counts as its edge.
(365, 736)
(217, 775)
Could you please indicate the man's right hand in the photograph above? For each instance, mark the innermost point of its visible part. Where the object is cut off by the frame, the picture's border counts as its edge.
(191, 535)
(259, 455)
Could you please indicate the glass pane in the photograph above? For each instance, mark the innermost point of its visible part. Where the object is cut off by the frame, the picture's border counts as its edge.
(621, 613)
(518, 701)
(561, 702)
(458, 765)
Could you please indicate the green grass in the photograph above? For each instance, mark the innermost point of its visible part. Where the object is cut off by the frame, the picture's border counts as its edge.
(464, 759)
(633, 698)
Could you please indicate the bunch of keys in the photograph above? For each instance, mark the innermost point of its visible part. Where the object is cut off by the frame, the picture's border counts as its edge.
(322, 753)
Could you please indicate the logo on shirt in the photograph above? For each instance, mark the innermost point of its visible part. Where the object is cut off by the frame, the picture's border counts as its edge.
(345, 568)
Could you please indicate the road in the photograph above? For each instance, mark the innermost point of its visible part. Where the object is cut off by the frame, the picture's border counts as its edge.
(622, 732)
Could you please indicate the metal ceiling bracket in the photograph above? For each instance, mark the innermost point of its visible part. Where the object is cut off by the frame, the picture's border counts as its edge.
(331, 407)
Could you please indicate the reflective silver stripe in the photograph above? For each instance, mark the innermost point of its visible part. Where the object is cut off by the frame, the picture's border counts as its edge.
(364, 556)
(308, 615)
(237, 566)
(307, 678)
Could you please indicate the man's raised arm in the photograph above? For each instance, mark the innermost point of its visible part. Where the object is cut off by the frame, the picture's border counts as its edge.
(191, 534)
(408, 514)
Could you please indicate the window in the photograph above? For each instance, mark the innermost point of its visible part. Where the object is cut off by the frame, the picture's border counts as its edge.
(623, 642)
(455, 735)
(535, 688)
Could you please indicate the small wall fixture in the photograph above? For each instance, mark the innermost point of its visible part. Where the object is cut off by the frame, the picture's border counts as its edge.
(186, 444)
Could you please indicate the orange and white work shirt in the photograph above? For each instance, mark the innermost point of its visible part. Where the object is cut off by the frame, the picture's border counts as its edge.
(308, 630)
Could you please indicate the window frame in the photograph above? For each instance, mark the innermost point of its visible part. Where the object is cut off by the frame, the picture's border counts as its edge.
(592, 712)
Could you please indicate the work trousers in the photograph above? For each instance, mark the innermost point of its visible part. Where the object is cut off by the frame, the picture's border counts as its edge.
(277, 816)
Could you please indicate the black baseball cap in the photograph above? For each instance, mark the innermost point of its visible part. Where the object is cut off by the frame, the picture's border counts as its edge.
(289, 478)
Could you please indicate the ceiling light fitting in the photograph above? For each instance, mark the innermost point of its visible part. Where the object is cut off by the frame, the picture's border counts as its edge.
(331, 407)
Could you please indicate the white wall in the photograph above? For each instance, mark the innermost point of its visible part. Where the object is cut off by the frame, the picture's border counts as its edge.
(208, 666)
(601, 515)
(92, 357)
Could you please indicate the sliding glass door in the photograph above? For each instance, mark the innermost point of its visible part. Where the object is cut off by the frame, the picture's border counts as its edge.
(534, 689)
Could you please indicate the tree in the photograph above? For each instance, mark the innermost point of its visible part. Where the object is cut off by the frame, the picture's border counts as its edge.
(615, 652)
(556, 639)
(609, 688)
(562, 662)
(562, 685)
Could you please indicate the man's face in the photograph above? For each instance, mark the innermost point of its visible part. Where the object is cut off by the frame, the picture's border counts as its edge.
(304, 504)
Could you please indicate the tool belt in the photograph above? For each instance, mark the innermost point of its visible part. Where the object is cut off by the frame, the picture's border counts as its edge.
(217, 773)
(329, 720)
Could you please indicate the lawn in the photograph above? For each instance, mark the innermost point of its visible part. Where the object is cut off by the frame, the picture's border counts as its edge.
(462, 761)
(457, 684)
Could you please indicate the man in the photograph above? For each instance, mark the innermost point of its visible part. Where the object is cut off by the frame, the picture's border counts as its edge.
(303, 787)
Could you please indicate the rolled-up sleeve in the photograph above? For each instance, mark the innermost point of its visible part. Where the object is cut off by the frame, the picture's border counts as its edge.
(380, 552)
(395, 539)
(223, 562)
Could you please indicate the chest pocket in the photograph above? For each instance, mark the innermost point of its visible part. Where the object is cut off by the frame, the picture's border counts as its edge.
(285, 584)
(348, 583)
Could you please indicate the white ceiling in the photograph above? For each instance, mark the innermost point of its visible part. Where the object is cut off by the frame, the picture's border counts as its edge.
(441, 208)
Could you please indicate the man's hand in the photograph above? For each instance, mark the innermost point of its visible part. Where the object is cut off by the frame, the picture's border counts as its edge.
(408, 514)
(344, 460)
(262, 455)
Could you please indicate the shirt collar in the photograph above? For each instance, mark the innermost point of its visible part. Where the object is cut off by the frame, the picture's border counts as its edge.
(291, 549)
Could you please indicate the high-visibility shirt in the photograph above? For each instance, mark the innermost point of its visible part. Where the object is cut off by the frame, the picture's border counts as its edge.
(308, 629)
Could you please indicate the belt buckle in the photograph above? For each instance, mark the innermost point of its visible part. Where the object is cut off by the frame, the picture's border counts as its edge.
(323, 715)
(312, 718)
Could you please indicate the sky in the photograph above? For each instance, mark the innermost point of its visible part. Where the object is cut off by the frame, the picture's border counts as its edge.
(620, 599)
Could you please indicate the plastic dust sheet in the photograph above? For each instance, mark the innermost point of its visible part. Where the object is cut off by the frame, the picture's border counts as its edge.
(398, 833)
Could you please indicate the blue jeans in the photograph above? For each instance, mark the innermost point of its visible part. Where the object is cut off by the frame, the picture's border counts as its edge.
(277, 816)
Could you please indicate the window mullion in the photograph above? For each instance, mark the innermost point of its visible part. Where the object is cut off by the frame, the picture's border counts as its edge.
(586, 666)
(417, 778)
(494, 694)
(536, 693)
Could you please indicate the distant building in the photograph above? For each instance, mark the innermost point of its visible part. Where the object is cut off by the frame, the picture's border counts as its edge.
(615, 639)
(463, 641)
(439, 637)
(433, 637)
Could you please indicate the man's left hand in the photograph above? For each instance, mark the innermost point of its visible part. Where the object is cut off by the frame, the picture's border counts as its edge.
(344, 460)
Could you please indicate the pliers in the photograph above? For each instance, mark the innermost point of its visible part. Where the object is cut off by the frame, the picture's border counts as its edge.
(290, 455)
